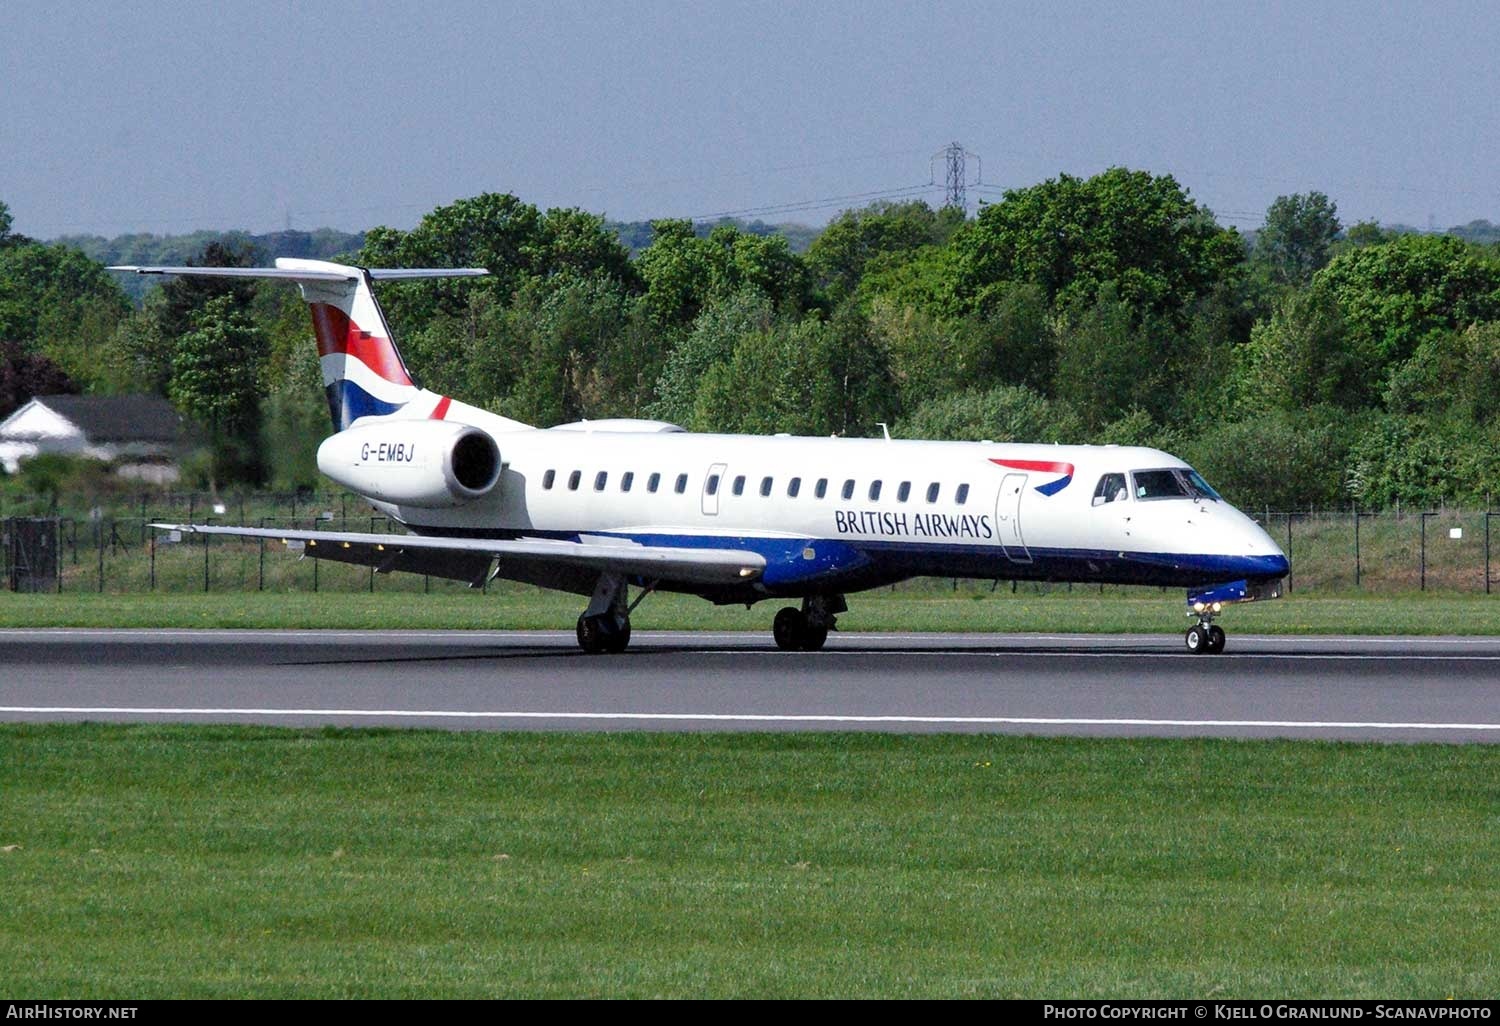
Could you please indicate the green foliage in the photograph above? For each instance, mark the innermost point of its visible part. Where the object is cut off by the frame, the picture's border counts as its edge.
(684, 273)
(52, 475)
(295, 423)
(923, 279)
(514, 241)
(55, 301)
(838, 256)
(216, 369)
(1396, 293)
(1298, 236)
(1006, 413)
(929, 356)
(1274, 458)
(1108, 309)
(1424, 463)
(1070, 236)
(1110, 362)
(1304, 355)
(1452, 375)
(712, 340)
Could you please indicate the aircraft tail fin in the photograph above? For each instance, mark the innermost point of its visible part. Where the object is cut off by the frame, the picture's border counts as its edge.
(363, 373)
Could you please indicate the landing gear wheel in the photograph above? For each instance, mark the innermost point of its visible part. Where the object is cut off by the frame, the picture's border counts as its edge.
(790, 629)
(1197, 640)
(598, 634)
(618, 639)
(1216, 639)
(590, 637)
(814, 637)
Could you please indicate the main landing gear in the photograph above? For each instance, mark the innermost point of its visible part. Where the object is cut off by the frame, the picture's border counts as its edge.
(1205, 637)
(806, 629)
(605, 625)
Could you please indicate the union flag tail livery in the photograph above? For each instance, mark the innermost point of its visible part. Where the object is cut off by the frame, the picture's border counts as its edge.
(600, 508)
(363, 373)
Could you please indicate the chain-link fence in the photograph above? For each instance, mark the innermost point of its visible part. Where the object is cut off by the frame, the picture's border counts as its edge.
(118, 552)
(115, 550)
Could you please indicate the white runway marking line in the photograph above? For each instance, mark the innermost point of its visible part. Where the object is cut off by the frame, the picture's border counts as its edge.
(1024, 721)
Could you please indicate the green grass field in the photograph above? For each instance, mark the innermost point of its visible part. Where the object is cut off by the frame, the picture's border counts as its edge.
(908, 609)
(154, 861)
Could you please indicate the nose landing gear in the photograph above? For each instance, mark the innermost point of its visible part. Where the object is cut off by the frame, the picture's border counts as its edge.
(1206, 638)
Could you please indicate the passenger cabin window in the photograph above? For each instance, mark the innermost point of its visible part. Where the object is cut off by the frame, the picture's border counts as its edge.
(739, 485)
(653, 482)
(1111, 488)
(793, 487)
(848, 491)
(548, 478)
(600, 480)
(932, 492)
(681, 483)
(713, 484)
(573, 480)
(874, 490)
(626, 480)
(962, 495)
(904, 492)
(821, 488)
(765, 486)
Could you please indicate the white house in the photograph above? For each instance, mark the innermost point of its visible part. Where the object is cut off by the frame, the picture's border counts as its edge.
(138, 434)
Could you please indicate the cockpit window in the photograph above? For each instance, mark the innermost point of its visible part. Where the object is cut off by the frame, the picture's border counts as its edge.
(1202, 486)
(1111, 488)
(1171, 484)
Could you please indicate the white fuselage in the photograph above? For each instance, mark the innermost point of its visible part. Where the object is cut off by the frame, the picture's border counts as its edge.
(836, 514)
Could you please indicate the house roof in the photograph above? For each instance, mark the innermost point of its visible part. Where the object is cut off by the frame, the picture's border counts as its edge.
(117, 418)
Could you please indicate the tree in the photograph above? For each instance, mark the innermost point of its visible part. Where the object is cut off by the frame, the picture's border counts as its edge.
(1070, 236)
(56, 301)
(1274, 458)
(684, 273)
(715, 334)
(183, 298)
(1005, 413)
(1396, 293)
(1109, 362)
(1298, 236)
(513, 240)
(1303, 356)
(838, 256)
(929, 356)
(216, 371)
(5, 223)
(25, 375)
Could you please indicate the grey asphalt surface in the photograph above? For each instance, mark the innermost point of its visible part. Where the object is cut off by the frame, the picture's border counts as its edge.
(1355, 688)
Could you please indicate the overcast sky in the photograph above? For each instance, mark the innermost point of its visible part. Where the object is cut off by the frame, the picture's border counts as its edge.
(169, 116)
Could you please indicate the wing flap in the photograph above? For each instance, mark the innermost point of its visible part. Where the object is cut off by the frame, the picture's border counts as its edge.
(689, 565)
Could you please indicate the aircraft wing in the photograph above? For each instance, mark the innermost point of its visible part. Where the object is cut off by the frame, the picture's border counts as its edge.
(528, 559)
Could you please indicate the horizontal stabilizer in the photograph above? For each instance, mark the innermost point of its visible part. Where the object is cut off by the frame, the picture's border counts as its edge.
(323, 273)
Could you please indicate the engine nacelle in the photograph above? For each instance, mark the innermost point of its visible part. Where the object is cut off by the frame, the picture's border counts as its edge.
(429, 463)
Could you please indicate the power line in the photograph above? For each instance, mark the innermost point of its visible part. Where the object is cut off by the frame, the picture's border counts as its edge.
(814, 204)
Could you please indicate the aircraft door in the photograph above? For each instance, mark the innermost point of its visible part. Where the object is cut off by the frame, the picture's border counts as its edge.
(713, 482)
(1008, 518)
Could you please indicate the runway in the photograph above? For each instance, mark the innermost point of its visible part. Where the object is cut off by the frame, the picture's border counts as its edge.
(1352, 688)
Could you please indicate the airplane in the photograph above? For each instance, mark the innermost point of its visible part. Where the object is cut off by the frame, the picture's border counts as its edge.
(600, 507)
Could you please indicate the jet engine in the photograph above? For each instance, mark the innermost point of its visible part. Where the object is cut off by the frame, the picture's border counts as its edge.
(426, 463)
